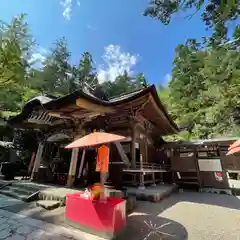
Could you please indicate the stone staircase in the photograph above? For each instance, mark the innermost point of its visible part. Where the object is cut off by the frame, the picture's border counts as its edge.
(24, 191)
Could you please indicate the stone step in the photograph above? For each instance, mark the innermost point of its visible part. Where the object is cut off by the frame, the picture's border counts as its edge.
(20, 190)
(48, 205)
(13, 194)
(4, 184)
(48, 196)
(23, 191)
(28, 186)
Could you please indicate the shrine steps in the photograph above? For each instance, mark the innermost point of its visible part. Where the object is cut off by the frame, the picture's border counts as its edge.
(56, 194)
(24, 191)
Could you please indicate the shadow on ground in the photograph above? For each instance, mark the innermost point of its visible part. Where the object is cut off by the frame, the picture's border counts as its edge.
(149, 227)
(145, 223)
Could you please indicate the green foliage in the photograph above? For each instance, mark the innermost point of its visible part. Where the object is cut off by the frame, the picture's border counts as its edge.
(204, 92)
(213, 11)
(84, 73)
(203, 96)
(15, 48)
(55, 75)
(124, 84)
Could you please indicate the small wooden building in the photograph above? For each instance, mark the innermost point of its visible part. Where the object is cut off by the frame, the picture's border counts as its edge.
(140, 116)
(203, 163)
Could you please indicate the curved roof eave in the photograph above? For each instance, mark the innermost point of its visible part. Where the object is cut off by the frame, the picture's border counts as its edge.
(29, 107)
(163, 109)
(52, 104)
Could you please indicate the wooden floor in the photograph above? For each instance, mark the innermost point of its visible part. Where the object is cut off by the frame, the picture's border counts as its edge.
(145, 170)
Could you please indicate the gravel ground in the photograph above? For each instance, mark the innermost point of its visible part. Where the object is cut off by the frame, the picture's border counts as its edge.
(187, 215)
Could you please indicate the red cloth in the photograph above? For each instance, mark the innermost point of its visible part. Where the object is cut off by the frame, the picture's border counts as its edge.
(102, 159)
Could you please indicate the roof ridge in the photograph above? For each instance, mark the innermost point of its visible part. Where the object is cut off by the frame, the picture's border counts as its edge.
(124, 94)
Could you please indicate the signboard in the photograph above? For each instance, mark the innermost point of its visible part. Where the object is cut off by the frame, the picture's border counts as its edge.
(210, 165)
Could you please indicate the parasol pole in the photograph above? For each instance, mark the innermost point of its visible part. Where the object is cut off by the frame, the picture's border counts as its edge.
(102, 181)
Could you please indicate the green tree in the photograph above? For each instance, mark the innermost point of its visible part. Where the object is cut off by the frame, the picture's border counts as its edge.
(15, 48)
(55, 76)
(57, 65)
(84, 72)
(204, 91)
(140, 80)
(124, 84)
(214, 11)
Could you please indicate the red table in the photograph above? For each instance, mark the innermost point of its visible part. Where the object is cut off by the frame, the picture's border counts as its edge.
(103, 218)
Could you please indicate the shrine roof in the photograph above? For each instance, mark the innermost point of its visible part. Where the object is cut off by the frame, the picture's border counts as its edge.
(154, 109)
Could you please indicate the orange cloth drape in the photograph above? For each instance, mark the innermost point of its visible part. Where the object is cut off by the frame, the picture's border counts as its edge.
(102, 159)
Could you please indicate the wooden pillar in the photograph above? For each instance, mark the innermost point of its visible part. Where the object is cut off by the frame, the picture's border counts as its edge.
(146, 150)
(74, 158)
(141, 185)
(73, 167)
(133, 150)
(37, 161)
(153, 179)
(141, 161)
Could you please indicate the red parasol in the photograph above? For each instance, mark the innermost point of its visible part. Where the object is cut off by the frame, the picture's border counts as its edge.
(234, 145)
(94, 139)
(234, 148)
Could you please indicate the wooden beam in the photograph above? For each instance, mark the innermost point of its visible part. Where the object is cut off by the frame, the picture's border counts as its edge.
(133, 150)
(133, 103)
(62, 115)
(55, 114)
(86, 115)
(82, 103)
(59, 115)
(122, 153)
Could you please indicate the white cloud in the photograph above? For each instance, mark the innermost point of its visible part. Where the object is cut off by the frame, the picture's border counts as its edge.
(167, 79)
(92, 28)
(38, 57)
(115, 63)
(67, 6)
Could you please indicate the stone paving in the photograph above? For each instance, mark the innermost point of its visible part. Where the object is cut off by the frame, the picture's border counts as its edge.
(18, 227)
(182, 216)
(6, 201)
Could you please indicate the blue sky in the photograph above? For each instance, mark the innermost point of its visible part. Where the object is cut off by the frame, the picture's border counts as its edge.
(113, 31)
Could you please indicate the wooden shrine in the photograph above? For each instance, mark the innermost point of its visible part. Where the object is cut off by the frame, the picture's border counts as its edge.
(139, 116)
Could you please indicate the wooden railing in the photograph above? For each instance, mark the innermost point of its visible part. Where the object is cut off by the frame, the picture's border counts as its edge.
(152, 166)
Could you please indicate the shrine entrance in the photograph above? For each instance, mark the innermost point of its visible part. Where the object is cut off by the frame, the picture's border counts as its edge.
(55, 161)
(89, 176)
